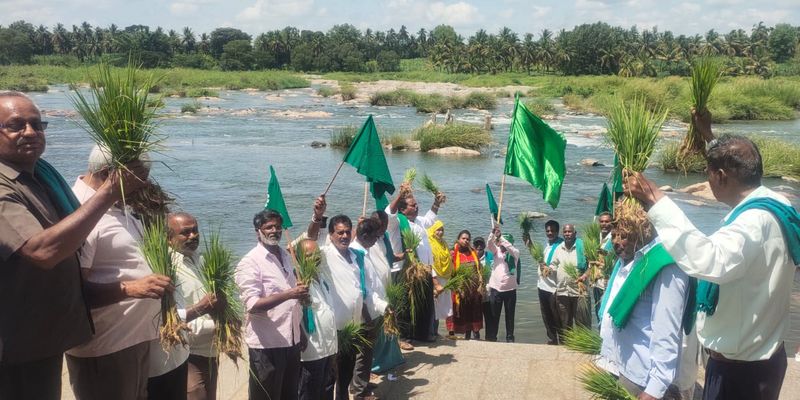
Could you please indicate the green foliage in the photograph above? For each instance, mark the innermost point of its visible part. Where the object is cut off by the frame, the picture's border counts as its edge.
(480, 101)
(202, 92)
(462, 135)
(780, 158)
(307, 265)
(326, 91)
(343, 137)
(429, 185)
(783, 42)
(633, 133)
(540, 106)
(672, 159)
(352, 339)
(119, 116)
(409, 177)
(463, 280)
(57, 60)
(590, 234)
(583, 340)
(347, 91)
(398, 141)
(190, 108)
(217, 272)
(602, 384)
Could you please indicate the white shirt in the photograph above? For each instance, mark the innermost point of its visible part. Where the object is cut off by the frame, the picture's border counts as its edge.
(323, 342)
(162, 361)
(418, 226)
(647, 350)
(547, 283)
(201, 329)
(347, 296)
(562, 256)
(111, 254)
(749, 259)
(376, 291)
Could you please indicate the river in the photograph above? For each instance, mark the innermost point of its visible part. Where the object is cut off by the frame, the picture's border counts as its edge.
(216, 164)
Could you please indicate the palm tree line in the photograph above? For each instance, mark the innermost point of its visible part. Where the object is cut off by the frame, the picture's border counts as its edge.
(593, 49)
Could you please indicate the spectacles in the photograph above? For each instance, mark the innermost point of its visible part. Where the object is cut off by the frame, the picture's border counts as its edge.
(20, 125)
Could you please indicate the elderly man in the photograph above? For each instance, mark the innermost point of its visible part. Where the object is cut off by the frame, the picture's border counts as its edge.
(202, 364)
(270, 293)
(403, 213)
(43, 310)
(641, 317)
(748, 266)
(569, 253)
(123, 294)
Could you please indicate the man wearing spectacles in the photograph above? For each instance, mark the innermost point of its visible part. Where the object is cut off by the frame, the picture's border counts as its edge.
(42, 226)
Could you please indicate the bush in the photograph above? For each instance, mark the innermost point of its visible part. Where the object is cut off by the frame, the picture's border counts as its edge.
(348, 91)
(481, 101)
(326, 91)
(398, 141)
(399, 97)
(779, 158)
(341, 138)
(431, 103)
(462, 135)
(202, 92)
(671, 159)
(195, 60)
(58, 60)
(190, 108)
(541, 107)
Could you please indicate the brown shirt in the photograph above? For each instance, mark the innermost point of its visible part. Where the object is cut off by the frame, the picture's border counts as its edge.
(42, 312)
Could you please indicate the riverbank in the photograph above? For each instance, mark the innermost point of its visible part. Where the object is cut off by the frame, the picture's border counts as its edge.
(735, 98)
(473, 370)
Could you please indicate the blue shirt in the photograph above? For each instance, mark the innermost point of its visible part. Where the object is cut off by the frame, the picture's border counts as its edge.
(647, 351)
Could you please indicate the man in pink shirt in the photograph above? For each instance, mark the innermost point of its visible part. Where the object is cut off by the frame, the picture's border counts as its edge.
(270, 294)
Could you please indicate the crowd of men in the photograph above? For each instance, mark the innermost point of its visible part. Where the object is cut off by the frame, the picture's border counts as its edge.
(75, 285)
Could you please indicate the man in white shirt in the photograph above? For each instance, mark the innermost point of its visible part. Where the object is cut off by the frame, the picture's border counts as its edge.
(742, 321)
(401, 211)
(202, 365)
(546, 284)
(123, 294)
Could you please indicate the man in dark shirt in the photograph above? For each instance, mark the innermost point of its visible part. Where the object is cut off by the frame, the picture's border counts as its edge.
(42, 226)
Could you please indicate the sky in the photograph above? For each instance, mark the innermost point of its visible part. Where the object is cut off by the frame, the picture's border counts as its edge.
(466, 16)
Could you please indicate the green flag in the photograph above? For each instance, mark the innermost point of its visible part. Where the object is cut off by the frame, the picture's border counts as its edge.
(492, 204)
(366, 155)
(605, 202)
(275, 199)
(381, 202)
(535, 153)
(617, 181)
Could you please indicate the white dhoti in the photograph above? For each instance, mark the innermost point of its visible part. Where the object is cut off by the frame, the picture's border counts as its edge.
(444, 302)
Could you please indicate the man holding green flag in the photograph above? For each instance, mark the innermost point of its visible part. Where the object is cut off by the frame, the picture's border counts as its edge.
(535, 153)
(366, 155)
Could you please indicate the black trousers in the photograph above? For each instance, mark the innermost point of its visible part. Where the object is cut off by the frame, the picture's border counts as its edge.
(755, 380)
(169, 386)
(497, 302)
(317, 379)
(355, 369)
(274, 373)
(552, 324)
(35, 380)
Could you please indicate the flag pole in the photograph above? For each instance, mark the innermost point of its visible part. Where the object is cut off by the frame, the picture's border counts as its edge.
(333, 179)
(500, 205)
(364, 209)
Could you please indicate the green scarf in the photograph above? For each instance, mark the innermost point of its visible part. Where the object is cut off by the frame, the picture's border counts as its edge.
(57, 188)
(402, 222)
(581, 255)
(642, 273)
(788, 219)
(553, 250)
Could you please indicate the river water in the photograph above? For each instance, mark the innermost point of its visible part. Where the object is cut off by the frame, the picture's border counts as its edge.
(217, 164)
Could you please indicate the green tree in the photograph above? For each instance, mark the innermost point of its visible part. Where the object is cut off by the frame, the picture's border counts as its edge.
(221, 36)
(237, 55)
(783, 42)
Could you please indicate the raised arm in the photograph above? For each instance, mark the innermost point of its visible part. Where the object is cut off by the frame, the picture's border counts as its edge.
(50, 246)
(319, 211)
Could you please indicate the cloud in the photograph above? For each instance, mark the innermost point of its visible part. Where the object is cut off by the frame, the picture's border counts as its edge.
(262, 9)
(539, 11)
(181, 8)
(455, 14)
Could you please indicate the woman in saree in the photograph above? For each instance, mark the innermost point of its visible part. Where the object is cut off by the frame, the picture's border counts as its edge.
(442, 270)
(467, 315)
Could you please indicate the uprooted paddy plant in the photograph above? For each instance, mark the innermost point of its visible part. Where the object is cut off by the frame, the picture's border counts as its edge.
(433, 102)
